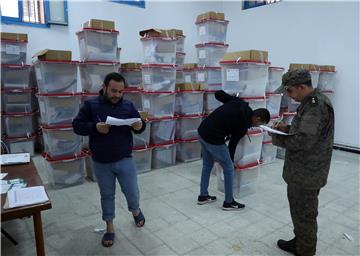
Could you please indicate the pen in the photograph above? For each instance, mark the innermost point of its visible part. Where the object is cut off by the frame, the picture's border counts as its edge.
(278, 122)
(98, 117)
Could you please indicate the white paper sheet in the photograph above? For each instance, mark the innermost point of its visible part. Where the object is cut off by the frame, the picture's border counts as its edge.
(27, 196)
(119, 122)
(19, 158)
(3, 175)
(271, 130)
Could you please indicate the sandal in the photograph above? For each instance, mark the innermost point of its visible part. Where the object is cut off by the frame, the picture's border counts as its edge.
(106, 238)
(139, 218)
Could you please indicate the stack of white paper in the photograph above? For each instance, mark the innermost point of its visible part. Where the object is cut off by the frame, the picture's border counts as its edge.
(119, 122)
(27, 196)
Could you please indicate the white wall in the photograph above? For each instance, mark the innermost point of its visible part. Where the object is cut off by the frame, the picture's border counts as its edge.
(308, 32)
(300, 32)
(129, 20)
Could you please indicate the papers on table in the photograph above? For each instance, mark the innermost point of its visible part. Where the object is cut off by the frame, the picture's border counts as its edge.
(119, 122)
(271, 130)
(9, 159)
(26, 196)
(7, 185)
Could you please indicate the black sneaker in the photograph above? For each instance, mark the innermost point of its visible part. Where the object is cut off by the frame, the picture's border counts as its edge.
(289, 246)
(206, 199)
(232, 206)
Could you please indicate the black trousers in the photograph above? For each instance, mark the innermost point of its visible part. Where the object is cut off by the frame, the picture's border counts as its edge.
(304, 211)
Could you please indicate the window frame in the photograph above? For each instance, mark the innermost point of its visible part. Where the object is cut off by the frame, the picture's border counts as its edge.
(140, 3)
(249, 4)
(19, 21)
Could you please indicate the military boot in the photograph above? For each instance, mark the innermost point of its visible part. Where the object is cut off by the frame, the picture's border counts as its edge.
(288, 246)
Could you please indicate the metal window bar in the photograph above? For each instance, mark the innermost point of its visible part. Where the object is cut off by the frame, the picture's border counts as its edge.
(33, 11)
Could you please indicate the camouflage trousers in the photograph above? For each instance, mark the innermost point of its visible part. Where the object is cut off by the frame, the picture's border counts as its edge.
(304, 210)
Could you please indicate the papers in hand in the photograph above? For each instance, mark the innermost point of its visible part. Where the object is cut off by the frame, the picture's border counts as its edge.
(271, 130)
(119, 122)
(26, 196)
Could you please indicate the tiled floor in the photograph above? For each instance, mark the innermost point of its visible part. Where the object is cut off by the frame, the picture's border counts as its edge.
(176, 225)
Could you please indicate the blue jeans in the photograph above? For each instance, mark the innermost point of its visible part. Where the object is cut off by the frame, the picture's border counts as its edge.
(210, 154)
(106, 174)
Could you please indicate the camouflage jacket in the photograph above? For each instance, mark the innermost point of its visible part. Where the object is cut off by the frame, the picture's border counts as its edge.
(309, 145)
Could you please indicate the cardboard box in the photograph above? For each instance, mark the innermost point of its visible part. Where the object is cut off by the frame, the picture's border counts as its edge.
(48, 54)
(190, 87)
(210, 16)
(190, 65)
(14, 36)
(144, 114)
(294, 66)
(154, 32)
(327, 68)
(254, 55)
(131, 65)
(99, 24)
(175, 32)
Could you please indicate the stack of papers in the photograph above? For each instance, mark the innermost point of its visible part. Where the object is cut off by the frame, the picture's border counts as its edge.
(271, 130)
(9, 159)
(119, 122)
(7, 185)
(26, 196)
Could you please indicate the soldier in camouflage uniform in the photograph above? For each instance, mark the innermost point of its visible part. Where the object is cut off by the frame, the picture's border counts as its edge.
(307, 159)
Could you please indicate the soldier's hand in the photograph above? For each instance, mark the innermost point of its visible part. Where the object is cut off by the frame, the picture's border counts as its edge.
(102, 127)
(137, 125)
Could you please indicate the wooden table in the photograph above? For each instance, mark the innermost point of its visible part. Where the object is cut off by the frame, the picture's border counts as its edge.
(29, 173)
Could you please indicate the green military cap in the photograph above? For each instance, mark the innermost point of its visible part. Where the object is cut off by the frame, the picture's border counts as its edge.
(295, 77)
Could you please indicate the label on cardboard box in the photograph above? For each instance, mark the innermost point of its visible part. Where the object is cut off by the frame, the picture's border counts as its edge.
(202, 54)
(188, 79)
(12, 49)
(202, 30)
(232, 75)
(201, 77)
(147, 79)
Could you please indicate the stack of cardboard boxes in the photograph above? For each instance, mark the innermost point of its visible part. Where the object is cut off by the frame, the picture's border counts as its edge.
(18, 108)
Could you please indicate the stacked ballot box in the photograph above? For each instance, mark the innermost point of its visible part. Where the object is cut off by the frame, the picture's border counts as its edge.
(210, 50)
(244, 179)
(268, 150)
(188, 150)
(163, 155)
(248, 149)
(287, 118)
(142, 157)
(186, 126)
(59, 103)
(327, 81)
(189, 102)
(132, 73)
(98, 44)
(246, 77)
(18, 103)
(66, 171)
(92, 74)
